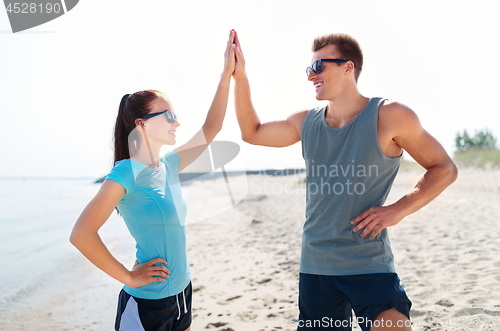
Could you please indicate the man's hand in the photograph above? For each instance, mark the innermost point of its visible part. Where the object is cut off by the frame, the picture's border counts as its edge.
(239, 71)
(376, 219)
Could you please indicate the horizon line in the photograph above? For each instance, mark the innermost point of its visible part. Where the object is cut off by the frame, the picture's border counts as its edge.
(99, 177)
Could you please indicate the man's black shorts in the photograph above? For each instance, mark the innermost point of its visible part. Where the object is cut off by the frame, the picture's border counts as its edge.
(325, 302)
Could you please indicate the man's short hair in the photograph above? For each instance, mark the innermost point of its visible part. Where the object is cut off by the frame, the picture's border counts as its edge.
(347, 47)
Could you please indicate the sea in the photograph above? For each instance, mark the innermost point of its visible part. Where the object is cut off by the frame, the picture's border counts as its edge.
(36, 219)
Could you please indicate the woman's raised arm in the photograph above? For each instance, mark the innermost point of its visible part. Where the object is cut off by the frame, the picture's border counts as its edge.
(190, 151)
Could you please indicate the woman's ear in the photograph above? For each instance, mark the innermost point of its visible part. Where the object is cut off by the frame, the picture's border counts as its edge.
(138, 122)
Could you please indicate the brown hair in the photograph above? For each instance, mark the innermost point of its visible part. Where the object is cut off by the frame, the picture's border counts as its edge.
(132, 106)
(347, 47)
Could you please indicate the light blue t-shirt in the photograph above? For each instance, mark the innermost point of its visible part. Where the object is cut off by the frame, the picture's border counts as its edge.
(155, 212)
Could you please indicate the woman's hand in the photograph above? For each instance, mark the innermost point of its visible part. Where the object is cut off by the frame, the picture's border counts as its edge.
(229, 56)
(148, 272)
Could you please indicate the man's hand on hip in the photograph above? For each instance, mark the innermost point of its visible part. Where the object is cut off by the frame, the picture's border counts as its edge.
(376, 219)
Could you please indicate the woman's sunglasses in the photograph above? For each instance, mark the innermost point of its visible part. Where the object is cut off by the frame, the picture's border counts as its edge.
(171, 116)
(317, 66)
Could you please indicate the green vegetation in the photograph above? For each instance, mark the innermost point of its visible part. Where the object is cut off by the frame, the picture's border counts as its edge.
(481, 158)
(477, 151)
(483, 139)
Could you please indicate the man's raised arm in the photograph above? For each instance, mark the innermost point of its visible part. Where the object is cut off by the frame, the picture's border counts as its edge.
(273, 134)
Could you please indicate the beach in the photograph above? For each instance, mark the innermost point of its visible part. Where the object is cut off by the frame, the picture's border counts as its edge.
(244, 262)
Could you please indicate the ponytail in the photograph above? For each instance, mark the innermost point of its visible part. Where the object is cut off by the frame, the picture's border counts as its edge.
(121, 132)
(132, 106)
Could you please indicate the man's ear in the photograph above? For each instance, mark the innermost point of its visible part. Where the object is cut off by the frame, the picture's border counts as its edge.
(349, 66)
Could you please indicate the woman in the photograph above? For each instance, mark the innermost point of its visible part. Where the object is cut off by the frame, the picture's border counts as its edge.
(145, 189)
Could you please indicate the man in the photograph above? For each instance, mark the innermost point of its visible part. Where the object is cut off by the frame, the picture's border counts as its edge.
(352, 148)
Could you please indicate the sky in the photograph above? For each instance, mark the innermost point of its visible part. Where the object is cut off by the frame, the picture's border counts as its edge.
(61, 82)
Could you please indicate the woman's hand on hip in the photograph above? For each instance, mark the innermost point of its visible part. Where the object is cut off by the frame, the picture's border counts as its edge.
(148, 272)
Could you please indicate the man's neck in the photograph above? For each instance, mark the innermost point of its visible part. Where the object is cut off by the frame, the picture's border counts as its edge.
(344, 108)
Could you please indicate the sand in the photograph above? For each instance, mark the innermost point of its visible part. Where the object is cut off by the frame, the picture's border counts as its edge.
(244, 264)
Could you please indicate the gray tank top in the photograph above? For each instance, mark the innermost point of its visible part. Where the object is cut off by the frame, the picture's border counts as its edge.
(346, 173)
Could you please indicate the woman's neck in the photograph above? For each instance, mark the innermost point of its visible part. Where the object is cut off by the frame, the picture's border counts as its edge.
(149, 156)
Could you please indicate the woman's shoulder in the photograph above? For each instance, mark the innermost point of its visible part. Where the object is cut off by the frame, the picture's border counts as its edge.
(123, 173)
(171, 159)
(122, 168)
(122, 165)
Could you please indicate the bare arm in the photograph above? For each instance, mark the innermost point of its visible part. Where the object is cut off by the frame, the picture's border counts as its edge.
(192, 149)
(85, 237)
(274, 134)
(428, 152)
(409, 134)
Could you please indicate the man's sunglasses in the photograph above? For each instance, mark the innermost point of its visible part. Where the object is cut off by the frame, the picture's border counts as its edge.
(317, 66)
(171, 116)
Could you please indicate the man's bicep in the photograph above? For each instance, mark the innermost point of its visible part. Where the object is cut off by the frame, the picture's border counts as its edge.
(420, 144)
(279, 133)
